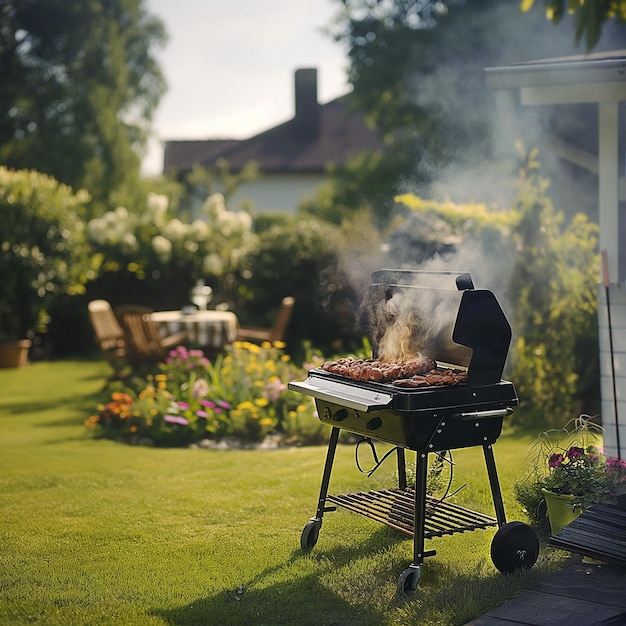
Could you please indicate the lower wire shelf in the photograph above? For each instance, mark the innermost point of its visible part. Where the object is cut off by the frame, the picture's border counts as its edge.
(396, 508)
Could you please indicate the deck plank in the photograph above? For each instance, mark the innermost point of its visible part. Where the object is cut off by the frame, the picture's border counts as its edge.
(584, 595)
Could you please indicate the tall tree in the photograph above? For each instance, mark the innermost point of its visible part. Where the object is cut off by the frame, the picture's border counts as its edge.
(418, 65)
(79, 84)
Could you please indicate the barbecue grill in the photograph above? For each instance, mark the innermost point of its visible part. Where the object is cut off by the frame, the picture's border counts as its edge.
(407, 313)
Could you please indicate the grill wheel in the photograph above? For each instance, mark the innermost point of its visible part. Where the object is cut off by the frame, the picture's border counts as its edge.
(310, 534)
(514, 546)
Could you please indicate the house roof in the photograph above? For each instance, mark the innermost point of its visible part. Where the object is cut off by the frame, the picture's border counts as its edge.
(341, 134)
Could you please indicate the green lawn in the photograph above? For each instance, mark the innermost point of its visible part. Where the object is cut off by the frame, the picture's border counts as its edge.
(98, 532)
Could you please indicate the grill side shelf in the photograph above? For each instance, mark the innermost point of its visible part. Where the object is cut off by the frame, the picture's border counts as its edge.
(396, 508)
(355, 398)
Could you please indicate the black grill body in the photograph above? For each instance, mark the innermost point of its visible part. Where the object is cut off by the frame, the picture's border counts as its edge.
(426, 419)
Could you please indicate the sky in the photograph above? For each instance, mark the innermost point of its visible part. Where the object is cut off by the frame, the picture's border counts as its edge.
(230, 65)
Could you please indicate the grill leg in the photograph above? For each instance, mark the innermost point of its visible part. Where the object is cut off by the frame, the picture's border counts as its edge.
(328, 467)
(419, 521)
(311, 530)
(401, 468)
(407, 583)
(494, 483)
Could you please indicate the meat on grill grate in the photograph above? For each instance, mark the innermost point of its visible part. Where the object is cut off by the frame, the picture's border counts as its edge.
(377, 370)
(414, 372)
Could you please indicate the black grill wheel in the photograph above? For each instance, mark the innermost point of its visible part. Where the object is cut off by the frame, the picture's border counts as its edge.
(310, 533)
(514, 546)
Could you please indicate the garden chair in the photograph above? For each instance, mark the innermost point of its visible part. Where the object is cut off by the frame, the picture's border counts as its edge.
(276, 332)
(144, 343)
(109, 335)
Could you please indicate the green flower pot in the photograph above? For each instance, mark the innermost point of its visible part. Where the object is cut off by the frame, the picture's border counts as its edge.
(560, 510)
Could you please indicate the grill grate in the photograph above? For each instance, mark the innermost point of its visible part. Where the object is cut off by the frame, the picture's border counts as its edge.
(396, 508)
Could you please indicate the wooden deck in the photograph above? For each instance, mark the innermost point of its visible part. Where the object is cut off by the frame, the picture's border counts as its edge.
(578, 595)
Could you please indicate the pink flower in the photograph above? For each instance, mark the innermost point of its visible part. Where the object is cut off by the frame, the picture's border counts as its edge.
(176, 419)
(554, 460)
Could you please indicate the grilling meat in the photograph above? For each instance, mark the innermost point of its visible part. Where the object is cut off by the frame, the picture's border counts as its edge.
(378, 371)
(435, 377)
(417, 372)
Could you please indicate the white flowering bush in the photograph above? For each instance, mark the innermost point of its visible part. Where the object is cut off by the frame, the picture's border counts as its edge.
(152, 242)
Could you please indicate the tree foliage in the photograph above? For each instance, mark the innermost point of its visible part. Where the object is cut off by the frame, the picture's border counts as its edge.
(590, 15)
(79, 85)
(417, 66)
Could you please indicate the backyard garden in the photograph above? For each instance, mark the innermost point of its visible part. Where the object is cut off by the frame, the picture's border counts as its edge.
(96, 530)
(177, 494)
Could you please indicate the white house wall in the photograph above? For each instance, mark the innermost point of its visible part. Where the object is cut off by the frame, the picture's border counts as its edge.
(276, 193)
(615, 366)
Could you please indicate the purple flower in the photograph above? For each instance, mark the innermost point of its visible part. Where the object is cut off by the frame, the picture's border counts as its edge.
(208, 404)
(575, 453)
(183, 405)
(200, 413)
(176, 419)
(554, 460)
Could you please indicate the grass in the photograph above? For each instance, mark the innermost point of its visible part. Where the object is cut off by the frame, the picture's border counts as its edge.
(97, 532)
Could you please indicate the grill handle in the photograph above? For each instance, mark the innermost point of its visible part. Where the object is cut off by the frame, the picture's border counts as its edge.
(478, 415)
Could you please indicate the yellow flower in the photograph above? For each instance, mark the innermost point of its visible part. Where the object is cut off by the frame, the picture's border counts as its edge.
(285, 357)
(266, 421)
(266, 344)
(245, 406)
(292, 414)
(280, 345)
(261, 402)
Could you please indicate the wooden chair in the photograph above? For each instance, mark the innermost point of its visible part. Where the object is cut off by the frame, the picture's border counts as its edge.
(109, 335)
(144, 343)
(276, 332)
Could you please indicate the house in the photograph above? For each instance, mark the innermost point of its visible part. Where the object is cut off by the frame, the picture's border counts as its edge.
(292, 158)
(598, 79)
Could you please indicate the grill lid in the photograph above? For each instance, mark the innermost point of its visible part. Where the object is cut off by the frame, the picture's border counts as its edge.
(407, 313)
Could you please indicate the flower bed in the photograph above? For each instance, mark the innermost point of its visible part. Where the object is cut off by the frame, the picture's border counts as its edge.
(242, 394)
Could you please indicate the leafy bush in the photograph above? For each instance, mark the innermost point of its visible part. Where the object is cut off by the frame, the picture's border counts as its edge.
(43, 253)
(544, 269)
(242, 394)
(305, 258)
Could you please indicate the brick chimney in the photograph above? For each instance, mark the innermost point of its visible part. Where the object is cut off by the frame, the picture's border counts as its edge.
(307, 119)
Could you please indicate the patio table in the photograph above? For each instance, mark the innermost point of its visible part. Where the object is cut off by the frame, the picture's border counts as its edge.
(206, 329)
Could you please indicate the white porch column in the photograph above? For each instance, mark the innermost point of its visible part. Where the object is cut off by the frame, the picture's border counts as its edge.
(613, 338)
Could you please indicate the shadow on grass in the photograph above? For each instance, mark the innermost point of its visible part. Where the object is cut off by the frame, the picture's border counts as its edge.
(301, 600)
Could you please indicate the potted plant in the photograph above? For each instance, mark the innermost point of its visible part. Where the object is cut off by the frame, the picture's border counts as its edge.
(43, 255)
(568, 473)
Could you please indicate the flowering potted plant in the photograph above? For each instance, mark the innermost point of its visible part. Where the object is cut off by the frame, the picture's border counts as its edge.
(569, 473)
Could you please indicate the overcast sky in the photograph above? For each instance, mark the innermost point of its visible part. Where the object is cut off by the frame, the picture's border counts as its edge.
(229, 66)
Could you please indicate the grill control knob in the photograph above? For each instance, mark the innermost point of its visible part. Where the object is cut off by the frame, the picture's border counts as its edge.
(340, 415)
(374, 423)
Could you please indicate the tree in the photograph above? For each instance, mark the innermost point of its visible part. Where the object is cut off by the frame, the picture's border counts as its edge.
(590, 15)
(79, 85)
(418, 65)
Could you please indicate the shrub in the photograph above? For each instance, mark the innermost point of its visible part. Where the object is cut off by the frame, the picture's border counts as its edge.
(43, 253)
(544, 267)
(306, 258)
